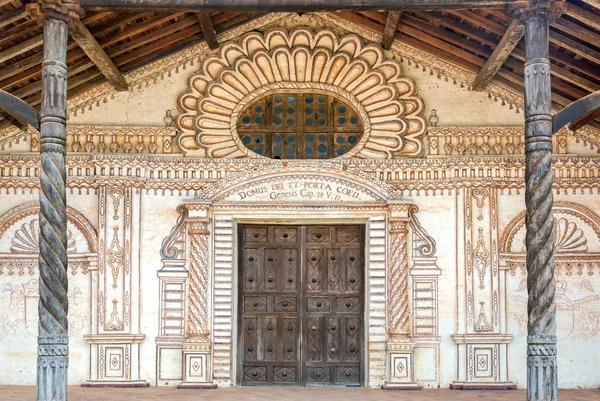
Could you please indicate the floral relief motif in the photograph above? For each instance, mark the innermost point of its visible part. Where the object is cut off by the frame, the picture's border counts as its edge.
(318, 62)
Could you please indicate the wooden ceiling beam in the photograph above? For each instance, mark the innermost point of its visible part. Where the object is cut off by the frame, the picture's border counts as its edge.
(576, 47)
(509, 41)
(29, 67)
(208, 30)
(138, 28)
(389, 31)
(577, 31)
(288, 5)
(118, 24)
(152, 36)
(159, 44)
(12, 16)
(478, 20)
(583, 15)
(97, 55)
(21, 48)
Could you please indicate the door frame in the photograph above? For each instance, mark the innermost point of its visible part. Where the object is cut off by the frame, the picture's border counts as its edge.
(237, 310)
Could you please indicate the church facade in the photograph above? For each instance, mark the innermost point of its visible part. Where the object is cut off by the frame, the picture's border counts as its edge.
(311, 210)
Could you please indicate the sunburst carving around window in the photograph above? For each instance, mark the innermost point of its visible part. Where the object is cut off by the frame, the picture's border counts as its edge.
(299, 126)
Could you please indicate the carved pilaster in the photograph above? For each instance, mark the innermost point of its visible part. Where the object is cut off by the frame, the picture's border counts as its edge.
(398, 280)
(541, 309)
(197, 347)
(197, 321)
(53, 338)
(399, 345)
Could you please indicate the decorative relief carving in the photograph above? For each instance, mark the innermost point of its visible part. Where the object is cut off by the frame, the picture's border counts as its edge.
(173, 245)
(26, 239)
(575, 226)
(480, 258)
(398, 279)
(482, 323)
(319, 62)
(114, 323)
(425, 244)
(197, 323)
(479, 194)
(116, 194)
(115, 256)
(462, 141)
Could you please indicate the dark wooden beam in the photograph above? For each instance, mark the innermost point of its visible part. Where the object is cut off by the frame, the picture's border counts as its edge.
(12, 16)
(97, 55)
(18, 110)
(578, 113)
(21, 48)
(390, 29)
(288, 5)
(509, 41)
(584, 16)
(208, 30)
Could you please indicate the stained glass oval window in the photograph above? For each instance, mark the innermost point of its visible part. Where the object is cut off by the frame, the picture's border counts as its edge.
(299, 126)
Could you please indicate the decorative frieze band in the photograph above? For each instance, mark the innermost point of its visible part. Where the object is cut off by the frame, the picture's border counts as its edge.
(405, 177)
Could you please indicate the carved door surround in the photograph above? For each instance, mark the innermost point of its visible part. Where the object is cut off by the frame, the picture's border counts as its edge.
(297, 193)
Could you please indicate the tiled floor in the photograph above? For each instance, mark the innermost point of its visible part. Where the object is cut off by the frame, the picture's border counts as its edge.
(26, 393)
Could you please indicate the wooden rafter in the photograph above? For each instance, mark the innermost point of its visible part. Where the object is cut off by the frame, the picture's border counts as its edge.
(208, 30)
(288, 5)
(12, 16)
(389, 31)
(583, 15)
(509, 41)
(23, 47)
(97, 55)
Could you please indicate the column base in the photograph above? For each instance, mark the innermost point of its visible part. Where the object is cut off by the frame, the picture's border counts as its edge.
(483, 386)
(401, 386)
(197, 386)
(121, 384)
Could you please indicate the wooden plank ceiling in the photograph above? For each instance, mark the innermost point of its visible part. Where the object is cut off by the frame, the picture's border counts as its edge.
(485, 41)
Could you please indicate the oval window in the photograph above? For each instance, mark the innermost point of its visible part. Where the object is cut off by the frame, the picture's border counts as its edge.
(299, 126)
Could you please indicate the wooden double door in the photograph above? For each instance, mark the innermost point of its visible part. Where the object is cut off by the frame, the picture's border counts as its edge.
(301, 305)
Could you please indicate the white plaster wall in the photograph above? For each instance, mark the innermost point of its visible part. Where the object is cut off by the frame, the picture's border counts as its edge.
(159, 215)
(437, 215)
(578, 316)
(19, 307)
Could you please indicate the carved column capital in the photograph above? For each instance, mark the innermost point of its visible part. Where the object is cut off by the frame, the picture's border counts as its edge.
(64, 10)
(525, 9)
(198, 225)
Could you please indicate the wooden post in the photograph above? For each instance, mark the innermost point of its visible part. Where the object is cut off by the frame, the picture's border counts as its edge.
(53, 329)
(542, 378)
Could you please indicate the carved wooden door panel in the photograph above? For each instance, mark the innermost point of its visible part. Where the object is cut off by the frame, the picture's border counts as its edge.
(332, 317)
(301, 306)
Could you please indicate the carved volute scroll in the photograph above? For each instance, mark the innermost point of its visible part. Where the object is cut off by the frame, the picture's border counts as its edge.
(317, 62)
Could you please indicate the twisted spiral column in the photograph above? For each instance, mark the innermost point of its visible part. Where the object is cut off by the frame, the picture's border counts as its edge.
(197, 324)
(398, 280)
(542, 380)
(53, 327)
